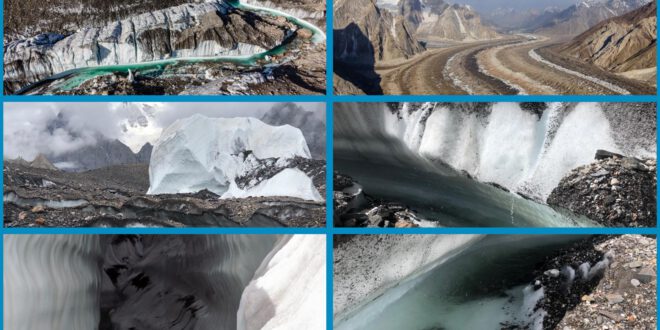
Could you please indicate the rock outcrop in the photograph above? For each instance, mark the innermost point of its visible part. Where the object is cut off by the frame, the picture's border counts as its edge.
(42, 162)
(621, 44)
(365, 34)
(189, 30)
(615, 191)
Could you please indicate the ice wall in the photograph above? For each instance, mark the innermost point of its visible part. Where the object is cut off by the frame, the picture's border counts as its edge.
(524, 151)
(390, 257)
(184, 281)
(199, 153)
(288, 290)
(51, 282)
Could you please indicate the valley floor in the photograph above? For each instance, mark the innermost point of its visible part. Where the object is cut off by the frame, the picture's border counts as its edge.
(514, 65)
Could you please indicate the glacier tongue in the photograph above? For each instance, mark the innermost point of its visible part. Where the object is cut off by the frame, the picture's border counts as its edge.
(199, 153)
(270, 300)
(51, 282)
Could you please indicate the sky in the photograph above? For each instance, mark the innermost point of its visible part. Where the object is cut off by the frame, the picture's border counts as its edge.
(29, 129)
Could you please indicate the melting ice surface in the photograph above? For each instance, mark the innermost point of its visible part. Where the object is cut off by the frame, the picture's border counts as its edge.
(480, 285)
(416, 157)
(199, 153)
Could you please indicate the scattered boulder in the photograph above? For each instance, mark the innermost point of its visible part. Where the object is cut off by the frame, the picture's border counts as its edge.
(615, 191)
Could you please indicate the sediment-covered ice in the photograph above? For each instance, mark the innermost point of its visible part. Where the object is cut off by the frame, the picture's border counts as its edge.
(390, 257)
(289, 288)
(51, 282)
(290, 182)
(188, 30)
(199, 153)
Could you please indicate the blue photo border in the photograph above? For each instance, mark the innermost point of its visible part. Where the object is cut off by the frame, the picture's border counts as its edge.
(329, 99)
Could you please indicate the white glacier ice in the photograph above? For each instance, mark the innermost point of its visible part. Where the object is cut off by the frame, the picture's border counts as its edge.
(290, 182)
(288, 290)
(199, 153)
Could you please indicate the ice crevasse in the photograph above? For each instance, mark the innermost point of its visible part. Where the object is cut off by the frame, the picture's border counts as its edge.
(55, 282)
(199, 153)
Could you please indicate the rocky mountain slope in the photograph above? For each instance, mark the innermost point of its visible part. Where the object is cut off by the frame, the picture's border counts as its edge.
(580, 17)
(620, 44)
(364, 33)
(312, 127)
(103, 154)
(435, 19)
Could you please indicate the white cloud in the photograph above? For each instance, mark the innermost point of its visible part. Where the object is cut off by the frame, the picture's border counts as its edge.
(34, 128)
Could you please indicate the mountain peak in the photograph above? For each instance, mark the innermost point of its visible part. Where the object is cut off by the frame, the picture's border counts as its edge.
(42, 162)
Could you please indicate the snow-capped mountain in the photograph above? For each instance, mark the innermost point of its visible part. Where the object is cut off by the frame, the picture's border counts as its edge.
(139, 125)
(435, 19)
(583, 15)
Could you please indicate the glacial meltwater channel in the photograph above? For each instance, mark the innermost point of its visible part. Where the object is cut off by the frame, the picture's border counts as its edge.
(68, 80)
(388, 170)
(484, 284)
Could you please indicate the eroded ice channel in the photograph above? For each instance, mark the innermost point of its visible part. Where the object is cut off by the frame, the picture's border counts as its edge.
(437, 158)
(96, 52)
(448, 282)
(82, 282)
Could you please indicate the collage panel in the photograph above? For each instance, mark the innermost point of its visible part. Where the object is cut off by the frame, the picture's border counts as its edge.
(138, 164)
(526, 164)
(455, 282)
(170, 47)
(82, 282)
(495, 47)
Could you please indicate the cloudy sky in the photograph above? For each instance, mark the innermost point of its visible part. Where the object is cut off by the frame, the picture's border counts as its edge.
(34, 128)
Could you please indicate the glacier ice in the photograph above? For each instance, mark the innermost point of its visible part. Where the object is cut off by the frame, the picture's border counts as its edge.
(159, 35)
(505, 144)
(81, 282)
(199, 153)
(270, 302)
(51, 282)
(290, 182)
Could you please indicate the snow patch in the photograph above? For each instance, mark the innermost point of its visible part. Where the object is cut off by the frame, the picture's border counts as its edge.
(290, 182)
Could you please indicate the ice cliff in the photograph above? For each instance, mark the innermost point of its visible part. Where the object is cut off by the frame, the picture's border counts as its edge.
(82, 282)
(296, 262)
(51, 282)
(199, 153)
(525, 149)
